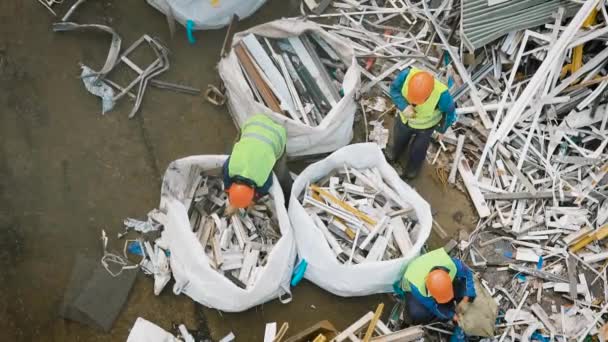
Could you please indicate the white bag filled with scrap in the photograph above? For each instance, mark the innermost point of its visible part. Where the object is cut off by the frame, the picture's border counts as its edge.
(317, 117)
(365, 195)
(190, 263)
(206, 14)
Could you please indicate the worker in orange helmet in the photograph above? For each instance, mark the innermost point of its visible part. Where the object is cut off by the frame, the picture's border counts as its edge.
(434, 285)
(248, 170)
(424, 105)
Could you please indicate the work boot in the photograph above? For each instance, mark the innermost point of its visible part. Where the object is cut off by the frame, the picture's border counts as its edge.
(411, 173)
(388, 154)
(399, 169)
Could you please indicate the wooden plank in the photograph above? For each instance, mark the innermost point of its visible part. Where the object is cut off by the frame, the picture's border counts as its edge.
(572, 238)
(273, 74)
(469, 182)
(270, 100)
(372, 324)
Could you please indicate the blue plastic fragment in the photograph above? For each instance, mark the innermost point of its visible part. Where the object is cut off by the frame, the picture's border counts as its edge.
(458, 335)
(398, 289)
(521, 277)
(508, 254)
(298, 272)
(134, 247)
(536, 336)
(539, 264)
(189, 29)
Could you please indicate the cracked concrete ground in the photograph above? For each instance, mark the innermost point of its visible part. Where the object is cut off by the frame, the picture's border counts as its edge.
(66, 172)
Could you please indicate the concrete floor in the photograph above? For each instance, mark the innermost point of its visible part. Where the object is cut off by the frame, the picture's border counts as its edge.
(66, 172)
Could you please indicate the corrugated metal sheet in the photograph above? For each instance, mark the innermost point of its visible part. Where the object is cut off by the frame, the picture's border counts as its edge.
(482, 24)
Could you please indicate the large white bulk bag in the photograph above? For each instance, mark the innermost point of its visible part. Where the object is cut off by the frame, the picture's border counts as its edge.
(336, 129)
(207, 14)
(323, 267)
(189, 263)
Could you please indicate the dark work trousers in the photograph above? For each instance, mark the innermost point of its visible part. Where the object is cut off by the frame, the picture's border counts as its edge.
(421, 138)
(282, 171)
(419, 314)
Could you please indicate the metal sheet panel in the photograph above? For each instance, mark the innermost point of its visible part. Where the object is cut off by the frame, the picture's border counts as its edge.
(482, 23)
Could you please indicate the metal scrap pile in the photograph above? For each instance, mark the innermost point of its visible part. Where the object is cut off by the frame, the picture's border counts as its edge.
(356, 208)
(98, 82)
(529, 146)
(299, 76)
(237, 246)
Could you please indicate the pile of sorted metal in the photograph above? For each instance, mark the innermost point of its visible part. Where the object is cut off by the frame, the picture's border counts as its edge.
(529, 146)
(238, 246)
(359, 216)
(298, 76)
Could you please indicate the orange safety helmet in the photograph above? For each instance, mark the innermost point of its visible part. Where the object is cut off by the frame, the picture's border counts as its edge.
(420, 87)
(439, 285)
(240, 195)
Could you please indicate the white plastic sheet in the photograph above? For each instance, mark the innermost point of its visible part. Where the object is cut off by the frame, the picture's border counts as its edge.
(189, 263)
(336, 129)
(323, 267)
(146, 331)
(207, 14)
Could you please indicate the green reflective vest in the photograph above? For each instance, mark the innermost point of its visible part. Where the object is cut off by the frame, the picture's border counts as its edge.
(262, 143)
(427, 114)
(417, 270)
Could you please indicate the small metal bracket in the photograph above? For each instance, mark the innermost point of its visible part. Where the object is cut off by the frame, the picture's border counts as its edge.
(214, 95)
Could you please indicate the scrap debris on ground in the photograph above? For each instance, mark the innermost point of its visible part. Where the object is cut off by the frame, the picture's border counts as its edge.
(98, 82)
(529, 146)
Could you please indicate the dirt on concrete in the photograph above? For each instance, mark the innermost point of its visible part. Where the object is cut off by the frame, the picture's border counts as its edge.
(67, 172)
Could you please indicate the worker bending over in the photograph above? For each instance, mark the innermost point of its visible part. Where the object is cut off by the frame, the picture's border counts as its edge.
(424, 105)
(434, 285)
(248, 170)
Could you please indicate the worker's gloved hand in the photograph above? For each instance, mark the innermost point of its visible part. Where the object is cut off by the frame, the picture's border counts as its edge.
(408, 112)
(458, 335)
(462, 306)
(230, 210)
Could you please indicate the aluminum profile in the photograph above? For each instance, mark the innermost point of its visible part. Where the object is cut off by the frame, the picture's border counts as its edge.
(482, 23)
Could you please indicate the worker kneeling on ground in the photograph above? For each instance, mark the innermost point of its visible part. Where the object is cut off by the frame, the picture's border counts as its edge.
(435, 285)
(248, 171)
(424, 105)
